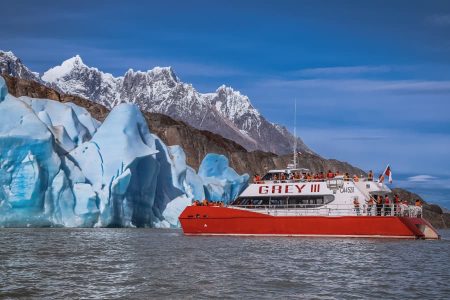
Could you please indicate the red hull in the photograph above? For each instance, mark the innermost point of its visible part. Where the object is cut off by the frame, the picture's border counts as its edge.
(213, 220)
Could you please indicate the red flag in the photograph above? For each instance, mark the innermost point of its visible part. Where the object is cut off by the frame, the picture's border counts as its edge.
(388, 173)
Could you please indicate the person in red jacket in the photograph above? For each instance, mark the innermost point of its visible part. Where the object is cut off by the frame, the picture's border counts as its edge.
(330, 174)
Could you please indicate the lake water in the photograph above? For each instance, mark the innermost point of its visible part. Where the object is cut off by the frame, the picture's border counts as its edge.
(149, 263)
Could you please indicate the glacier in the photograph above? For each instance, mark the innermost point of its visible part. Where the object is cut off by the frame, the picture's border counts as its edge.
(61, 167)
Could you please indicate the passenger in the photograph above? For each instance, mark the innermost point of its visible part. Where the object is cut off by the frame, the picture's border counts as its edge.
(330, 174)
(355, 178)
(379, 204)
(387, 206)
(316, 177)
(283, 177)
(346, 177)
(370, 176)
(297, 176)
(404, 209)
(205, 202)
(258, 178)
(397, 205)
(196, 203)
(321, 176)
(255, 178)
(304, 177)
(356, 206)
(418, 208)
(337, 173)
(370, 204)
(308, 177)
(275, 177)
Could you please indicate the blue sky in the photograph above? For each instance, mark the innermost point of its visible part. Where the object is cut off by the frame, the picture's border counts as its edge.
(371, 78)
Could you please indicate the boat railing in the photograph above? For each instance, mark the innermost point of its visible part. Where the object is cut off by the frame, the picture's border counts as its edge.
(336, 210)
(311, 180)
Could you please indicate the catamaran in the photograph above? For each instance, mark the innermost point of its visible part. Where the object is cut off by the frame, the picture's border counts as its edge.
(280, 205)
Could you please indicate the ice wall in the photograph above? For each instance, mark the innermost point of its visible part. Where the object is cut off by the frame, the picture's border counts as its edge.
(61, 167)
(221, 182)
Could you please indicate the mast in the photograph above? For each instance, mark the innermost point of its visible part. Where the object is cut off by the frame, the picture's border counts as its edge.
(295, 133)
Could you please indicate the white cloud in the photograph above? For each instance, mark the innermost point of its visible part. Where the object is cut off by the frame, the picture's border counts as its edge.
(421, 178)
(364, 85)
(353, 70)
(439, 19)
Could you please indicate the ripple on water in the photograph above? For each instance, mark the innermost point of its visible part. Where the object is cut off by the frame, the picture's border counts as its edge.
(143, 263)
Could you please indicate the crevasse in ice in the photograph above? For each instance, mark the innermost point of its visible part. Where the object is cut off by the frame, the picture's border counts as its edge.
(61, 167)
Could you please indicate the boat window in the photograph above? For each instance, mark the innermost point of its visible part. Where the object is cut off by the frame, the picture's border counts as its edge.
(278, 200)
(310, 200)
(251, 201)
(268, 176)
(328, 198)
(303, 201)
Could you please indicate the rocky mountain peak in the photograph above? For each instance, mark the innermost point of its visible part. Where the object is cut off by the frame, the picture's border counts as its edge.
(226, 111)
(13, 66)
(73, 64)
(233, 105)
(160, 74)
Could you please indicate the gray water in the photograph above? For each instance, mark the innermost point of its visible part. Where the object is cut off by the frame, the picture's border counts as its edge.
(149, 263)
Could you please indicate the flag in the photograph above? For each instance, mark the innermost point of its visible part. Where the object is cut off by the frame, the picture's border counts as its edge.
(388, 173)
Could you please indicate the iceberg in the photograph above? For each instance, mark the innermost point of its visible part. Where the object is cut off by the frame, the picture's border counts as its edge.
(221, 182)
(61, 167)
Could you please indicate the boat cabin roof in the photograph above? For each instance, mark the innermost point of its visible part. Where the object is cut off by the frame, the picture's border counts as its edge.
(301, 170)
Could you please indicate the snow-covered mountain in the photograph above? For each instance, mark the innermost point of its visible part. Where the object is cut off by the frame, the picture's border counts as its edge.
(13, 66)
(226, 112)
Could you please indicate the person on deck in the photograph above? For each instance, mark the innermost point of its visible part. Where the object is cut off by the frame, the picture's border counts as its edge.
(346, 177)
(275, 177)
(418, 208)
(397, 205)
(356, 206)
(370, 176)
(387, 206)
(321, 176)
(379, 204)
(370, 204)
(255, 178)
(330, 174)
(355, 178)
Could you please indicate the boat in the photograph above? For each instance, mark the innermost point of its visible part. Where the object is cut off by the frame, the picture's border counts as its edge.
(282, 203)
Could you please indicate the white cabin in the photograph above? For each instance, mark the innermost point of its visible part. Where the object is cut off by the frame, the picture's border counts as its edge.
(331, 197)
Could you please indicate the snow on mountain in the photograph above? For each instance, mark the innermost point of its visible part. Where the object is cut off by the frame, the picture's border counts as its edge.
(12, 65)
(226, 112)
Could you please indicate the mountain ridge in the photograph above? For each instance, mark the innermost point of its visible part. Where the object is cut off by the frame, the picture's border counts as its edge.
(225, 111)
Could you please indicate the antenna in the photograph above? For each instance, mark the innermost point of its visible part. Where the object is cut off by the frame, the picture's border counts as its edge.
(295, 133)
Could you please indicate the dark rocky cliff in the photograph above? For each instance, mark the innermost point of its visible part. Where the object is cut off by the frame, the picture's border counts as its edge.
(197, 143)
